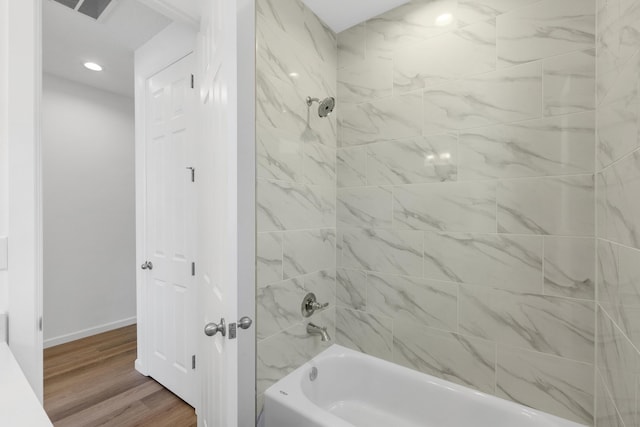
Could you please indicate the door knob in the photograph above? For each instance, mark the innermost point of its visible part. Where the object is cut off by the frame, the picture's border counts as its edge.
(245, 322)
(148, 265)
(213, 328)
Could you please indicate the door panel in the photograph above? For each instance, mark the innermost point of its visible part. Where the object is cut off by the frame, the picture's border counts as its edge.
(226, 231)
(171, 229)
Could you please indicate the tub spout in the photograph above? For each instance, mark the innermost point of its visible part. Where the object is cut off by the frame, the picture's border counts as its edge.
(318, 330)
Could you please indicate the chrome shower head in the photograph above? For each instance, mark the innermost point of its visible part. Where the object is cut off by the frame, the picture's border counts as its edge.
(325, 106)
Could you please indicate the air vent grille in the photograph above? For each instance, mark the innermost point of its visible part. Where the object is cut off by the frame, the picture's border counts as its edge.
(69, 3)
(90, 8)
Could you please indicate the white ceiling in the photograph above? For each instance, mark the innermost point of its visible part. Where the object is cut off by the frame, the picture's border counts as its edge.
(70, 39)
(342, 14)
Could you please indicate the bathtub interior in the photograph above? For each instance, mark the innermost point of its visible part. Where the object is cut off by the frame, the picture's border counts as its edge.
(364, 391)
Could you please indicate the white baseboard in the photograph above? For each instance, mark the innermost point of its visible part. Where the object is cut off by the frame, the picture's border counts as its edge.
(62, 339)
(140, 368)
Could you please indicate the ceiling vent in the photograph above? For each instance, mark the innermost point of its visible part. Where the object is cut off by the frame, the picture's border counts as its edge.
(91, 8)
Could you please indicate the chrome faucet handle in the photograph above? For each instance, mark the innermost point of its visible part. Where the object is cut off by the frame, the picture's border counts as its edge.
(310, 305)
(317, 306)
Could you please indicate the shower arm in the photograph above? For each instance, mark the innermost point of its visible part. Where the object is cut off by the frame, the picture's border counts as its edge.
(311, 100)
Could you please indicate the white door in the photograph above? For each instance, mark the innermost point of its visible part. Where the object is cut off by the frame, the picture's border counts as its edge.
(226, 213)
(170, 229)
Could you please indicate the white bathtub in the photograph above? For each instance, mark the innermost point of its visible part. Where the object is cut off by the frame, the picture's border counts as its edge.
(353, 389)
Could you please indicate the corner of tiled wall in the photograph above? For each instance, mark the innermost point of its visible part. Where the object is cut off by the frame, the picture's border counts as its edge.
(465, 200)
(296, 170)
(618, 214)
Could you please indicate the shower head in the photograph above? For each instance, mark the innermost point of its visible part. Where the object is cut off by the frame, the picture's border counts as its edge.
(325, 106)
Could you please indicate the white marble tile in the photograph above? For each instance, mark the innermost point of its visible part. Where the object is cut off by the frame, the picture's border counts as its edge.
(618, 363)
(500, 261)
(608, 271)
(470, 11)
(278, 306)
(296, 22)
(364, 332)
(407, 24)
(601, 205)
(319, 164)
(561, 206)
(351, 45)
(279, 155)
(503, 96)
(617, 49)
(413, 161)
(606, 411)
(351, 288)
(293, 61)
(558, 386)
(396, 117)
(552, 146)
(384, 251)
(623, 205)
(464, 52)
(323, 285)
(546, 28)
(269, 257)
(366, 80)
(282, 105)
(619, 287)
(321, 38)
(308, 251)
(618, 130)
(352, 166)
(461, 359)
(419, 301)
(451, 206)
(569, 267)
(628, 293)
(552, 325)
(286, 206)
(569, 83)
(282, 353)
(368, 207)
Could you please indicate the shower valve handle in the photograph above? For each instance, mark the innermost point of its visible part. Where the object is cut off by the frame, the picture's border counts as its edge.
(310, 305)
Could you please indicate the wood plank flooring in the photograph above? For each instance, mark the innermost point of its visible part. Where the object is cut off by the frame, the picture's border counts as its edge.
(92, 382)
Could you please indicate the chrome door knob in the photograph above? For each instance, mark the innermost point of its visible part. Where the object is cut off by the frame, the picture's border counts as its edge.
(245, 322)
(213, 328)
(148, 265)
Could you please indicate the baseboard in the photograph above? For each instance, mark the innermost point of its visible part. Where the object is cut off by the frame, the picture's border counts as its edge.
(62, 339)
(140, 368)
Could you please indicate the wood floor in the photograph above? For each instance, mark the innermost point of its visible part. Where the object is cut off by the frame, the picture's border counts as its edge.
(92, 382)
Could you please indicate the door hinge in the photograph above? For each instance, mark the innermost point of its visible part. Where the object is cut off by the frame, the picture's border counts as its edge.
(40, 323)
(193, 268)
(193, 362)
(193, 173)
(192, 81)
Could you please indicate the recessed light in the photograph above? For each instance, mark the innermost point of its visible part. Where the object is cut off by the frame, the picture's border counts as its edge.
(294, 74)
(93, 66)
(444, 19)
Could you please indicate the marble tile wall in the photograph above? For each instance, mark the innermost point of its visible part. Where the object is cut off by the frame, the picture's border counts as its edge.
(296, 185)
(618, 214)
(466, 192)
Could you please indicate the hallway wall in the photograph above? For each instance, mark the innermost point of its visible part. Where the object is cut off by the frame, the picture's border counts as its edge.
(465, 202)
(89, 223)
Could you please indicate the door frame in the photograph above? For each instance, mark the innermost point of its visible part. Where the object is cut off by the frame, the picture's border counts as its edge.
(21, 80)
(167, 47)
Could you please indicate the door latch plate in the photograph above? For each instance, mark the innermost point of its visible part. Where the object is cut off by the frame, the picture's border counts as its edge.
(232, 331)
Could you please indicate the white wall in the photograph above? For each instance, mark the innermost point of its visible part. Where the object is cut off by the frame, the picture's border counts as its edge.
(89, 210)
(4, 297)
